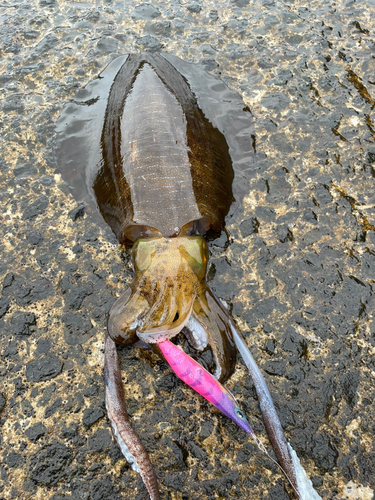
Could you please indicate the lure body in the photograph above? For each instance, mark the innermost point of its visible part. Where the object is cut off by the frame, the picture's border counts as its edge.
(194, 375)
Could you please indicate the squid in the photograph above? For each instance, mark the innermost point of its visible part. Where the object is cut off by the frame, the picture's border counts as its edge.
(162, 181)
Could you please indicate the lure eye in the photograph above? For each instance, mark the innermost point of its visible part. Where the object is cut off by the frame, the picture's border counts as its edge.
(240, 414)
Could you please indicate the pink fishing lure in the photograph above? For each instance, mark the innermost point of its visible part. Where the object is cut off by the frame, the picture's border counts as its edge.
(194, 375)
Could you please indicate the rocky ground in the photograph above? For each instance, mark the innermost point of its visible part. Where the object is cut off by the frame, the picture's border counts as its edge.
(298, 273)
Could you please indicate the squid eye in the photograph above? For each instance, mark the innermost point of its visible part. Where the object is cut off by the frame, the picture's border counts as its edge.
(240, 414)
(143, 252)
(194, 249)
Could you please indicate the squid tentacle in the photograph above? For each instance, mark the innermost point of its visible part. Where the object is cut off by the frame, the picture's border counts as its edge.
(271, 420)
(125, 435)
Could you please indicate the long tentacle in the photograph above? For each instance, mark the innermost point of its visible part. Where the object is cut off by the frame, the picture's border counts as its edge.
(126, 437)
(271, 420)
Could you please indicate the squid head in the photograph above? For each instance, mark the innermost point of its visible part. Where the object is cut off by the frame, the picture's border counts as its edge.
(168, 294)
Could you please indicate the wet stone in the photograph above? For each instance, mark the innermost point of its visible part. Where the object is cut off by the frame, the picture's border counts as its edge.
(47, 44)
(77, 249)
(350, 382)
(48, 465)
(150, 43)
(13, 105)
(249, 226)
(206, 430)
(310, 216)
(284, 233)
(270, 346)
(11, 350)
(263, 309)
(78, 328)
(24, 170)
(2, 402)
(240, 3)
(161, 28)
(278, 492)
(145, 11)
(277, 367)
(22, 323)
(322, 194)
(281, 143)
(167, 383)
(35, 238)
(44, 368)
(36, 208)
(13, 460)
(370, 156)
(19, 387)
(115, 453)
(44, 259)
(266, 214)
(275, 102)
(35, 291)
(43, 346)
(47, 180)
(101, 440)
(104, 489)
(77, 212)
(50, 410)
(91, 235)
(243, 456)
(197, 451)
(108, 44)
(4, 306)
(78, 294)
(278, 187)
(29, 486)
(91, 391)
(194, 8)
(36, 431)
(323, 453)
(92, 415)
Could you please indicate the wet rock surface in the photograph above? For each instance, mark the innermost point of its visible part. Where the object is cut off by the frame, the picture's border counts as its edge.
(297, 270)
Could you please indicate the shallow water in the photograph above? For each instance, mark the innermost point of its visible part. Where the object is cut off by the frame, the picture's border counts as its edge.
(298, 270)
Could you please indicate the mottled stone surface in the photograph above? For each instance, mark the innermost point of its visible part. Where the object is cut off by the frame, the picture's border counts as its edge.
(298, 272)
